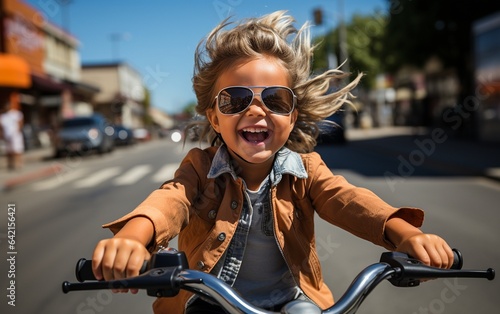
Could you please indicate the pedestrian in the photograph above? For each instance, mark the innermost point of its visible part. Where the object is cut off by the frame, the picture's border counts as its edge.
(11, 121)
(243, 209)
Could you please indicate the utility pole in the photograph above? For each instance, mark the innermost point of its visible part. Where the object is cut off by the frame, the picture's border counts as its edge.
(344, 54)
(331, 57)
(343, 47)
(115, 39)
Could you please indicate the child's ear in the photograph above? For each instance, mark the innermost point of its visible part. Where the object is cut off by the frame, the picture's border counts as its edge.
(214, 121)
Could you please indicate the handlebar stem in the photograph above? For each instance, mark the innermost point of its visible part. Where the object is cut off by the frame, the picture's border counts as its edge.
(359, 289)
(218, 291)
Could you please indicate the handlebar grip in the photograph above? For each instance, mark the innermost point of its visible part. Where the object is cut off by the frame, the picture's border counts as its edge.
(84, 271)
(458, 260)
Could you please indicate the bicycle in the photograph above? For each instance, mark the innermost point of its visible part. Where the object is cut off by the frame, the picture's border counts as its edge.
(167, 272)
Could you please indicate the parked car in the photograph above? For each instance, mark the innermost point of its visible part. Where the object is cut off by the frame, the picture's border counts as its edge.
(83, 135)
(123, 135)
(142, 134)
(331, 130)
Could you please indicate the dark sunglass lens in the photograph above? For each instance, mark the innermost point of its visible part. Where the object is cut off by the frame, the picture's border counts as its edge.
(278, 99)
(234, 100)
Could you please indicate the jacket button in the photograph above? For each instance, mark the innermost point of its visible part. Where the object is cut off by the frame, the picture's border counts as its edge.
(212, 214)
(221, 237)
(234, 204)
(200, 264)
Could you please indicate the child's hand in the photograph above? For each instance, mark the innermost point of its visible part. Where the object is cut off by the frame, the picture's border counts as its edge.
(118, 258)
(430, 249)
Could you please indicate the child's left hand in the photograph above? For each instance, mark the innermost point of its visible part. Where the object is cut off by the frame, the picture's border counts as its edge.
(430, 249)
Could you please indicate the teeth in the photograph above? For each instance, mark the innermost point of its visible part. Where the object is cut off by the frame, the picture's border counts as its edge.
(254, 130)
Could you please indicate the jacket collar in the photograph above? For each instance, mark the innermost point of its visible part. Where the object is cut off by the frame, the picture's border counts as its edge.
(286, 162)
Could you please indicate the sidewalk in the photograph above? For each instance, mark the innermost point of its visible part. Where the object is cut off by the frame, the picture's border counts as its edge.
(454, 156)
(439, 150)
(38, 164)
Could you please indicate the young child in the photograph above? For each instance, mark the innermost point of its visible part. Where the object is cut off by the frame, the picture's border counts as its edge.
(244, 208)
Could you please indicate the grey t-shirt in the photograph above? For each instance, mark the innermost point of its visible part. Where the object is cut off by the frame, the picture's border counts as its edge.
(264, 278)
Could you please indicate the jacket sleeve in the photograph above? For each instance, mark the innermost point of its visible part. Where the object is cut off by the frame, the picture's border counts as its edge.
(169, 207)
(355, 209)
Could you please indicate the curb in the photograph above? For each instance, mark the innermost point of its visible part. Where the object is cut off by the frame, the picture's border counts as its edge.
(48, 171)
(446, 166)
(493, 174)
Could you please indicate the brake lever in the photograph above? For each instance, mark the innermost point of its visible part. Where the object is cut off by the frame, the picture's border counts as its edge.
(409, 271)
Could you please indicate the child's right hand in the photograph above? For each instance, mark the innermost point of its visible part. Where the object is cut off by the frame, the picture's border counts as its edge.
(118, 258)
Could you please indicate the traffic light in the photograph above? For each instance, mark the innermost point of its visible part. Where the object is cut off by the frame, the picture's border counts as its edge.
(318, 16)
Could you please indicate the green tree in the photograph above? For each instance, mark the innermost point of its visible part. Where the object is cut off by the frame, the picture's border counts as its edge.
(418, 30)
(364, 37)
(148, 121)
(189, 109)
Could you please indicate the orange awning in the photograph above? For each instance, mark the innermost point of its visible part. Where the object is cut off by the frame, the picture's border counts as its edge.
(14, 71)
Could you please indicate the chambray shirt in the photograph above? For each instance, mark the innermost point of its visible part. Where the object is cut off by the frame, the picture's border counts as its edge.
(261, 254)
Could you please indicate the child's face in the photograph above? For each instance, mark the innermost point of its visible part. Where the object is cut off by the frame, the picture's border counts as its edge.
(255, 134)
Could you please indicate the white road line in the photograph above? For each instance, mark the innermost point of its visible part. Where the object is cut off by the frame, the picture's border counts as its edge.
(165, 173)
(59, 179)
(97, 177)
(133, 175)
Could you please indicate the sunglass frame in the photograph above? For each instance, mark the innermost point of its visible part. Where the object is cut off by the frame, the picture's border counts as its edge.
(294, 98)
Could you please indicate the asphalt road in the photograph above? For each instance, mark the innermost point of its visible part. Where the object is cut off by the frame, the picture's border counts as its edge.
(58, 221)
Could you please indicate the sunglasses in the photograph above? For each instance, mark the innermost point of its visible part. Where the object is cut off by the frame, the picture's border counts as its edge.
(236, 99)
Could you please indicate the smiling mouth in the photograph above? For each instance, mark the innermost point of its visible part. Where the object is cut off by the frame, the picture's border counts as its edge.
(255, 135)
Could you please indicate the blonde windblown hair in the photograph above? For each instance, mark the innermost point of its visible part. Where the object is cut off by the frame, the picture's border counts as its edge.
(269, 36)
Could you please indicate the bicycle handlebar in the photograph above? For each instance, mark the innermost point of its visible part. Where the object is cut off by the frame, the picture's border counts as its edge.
(167, 273)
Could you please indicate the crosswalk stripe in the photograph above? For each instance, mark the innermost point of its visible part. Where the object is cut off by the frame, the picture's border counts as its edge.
(165, 173)
(82, 178)
(133, 175)
(59, 179)
(97, 177)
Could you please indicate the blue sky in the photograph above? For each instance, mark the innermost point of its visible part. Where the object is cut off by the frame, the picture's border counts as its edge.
(158, 37)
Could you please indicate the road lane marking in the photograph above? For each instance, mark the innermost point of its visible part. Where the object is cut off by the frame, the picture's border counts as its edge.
(133, 175)
(97, 177)
(59, 179)
(165, 173)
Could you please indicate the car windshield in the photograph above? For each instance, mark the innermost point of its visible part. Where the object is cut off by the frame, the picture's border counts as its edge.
(77, 122)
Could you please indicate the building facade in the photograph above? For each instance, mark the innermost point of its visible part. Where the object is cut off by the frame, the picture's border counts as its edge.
(122, 95)
(40, 70)
(487, 69)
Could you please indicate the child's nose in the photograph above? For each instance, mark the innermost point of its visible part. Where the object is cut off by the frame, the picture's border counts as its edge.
(257, 106)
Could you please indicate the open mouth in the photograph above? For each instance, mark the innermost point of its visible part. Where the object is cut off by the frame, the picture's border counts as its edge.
(255, 135)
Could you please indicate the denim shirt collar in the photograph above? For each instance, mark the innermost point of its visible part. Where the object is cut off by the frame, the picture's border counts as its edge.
(286, 161)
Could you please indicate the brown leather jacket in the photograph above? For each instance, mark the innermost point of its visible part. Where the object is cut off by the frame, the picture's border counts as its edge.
(204, 213)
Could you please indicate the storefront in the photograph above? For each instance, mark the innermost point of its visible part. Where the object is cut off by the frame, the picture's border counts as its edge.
(39, 68)
(487, 65)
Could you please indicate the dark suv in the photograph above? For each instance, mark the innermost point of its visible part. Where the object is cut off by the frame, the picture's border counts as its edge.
(83, 135)
(331, 130)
